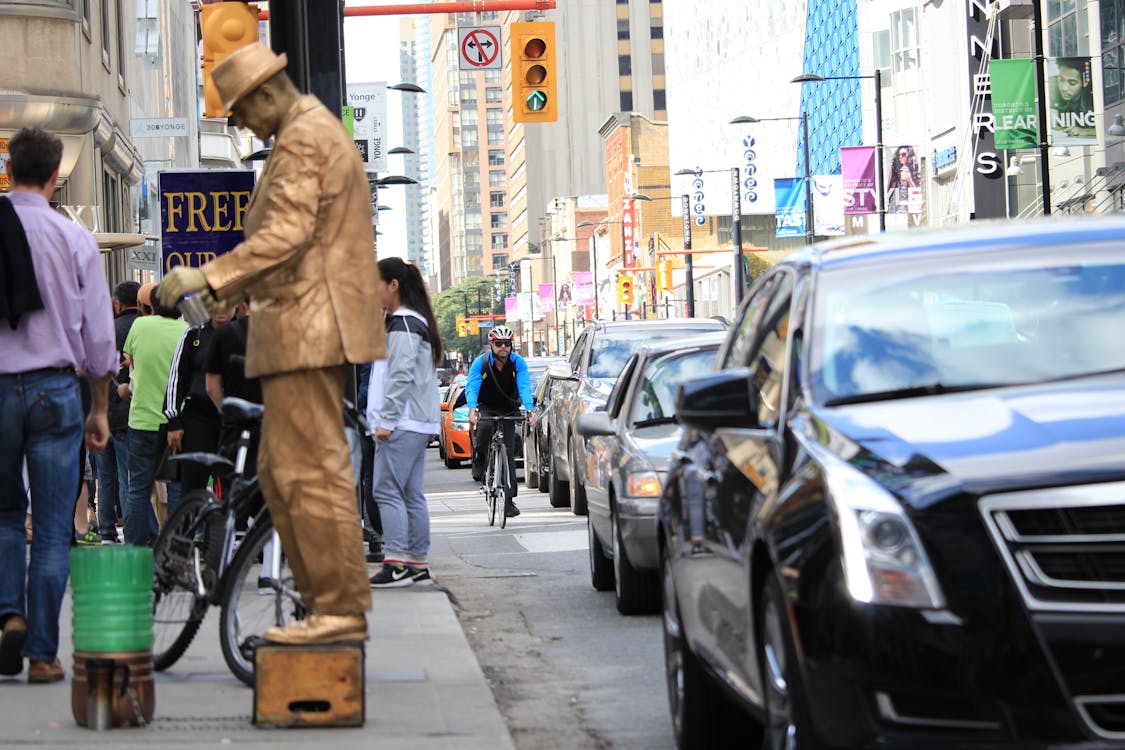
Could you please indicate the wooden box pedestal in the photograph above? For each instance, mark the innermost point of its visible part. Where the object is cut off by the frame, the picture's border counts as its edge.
(309, 686)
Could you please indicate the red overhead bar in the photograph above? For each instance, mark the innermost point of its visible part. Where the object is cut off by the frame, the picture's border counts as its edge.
(464, 6)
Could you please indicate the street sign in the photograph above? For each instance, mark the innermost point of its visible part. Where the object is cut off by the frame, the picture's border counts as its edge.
(480, 47)
(158, 127)
(369, 122)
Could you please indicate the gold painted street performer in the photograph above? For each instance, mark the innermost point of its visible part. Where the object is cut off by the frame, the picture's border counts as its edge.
(308, 264)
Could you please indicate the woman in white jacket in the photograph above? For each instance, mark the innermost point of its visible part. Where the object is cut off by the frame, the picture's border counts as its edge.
(403, 409)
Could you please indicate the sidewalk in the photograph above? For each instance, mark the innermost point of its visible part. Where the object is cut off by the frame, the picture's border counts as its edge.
(425, 690)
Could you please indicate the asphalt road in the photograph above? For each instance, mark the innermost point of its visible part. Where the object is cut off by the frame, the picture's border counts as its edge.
(566, 669)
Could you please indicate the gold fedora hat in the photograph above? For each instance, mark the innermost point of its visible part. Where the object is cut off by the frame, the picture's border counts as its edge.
(244, 70)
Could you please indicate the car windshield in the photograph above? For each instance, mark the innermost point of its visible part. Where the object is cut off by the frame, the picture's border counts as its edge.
(655, 401)
(989, 319)
(612, 350)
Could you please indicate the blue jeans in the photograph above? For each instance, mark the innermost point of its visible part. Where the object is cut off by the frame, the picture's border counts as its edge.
(113, 482)
(41, 414)
(145, 449)
(397, 486)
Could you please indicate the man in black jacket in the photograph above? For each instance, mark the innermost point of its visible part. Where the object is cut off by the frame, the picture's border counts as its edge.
(193, 420)
(113, 462)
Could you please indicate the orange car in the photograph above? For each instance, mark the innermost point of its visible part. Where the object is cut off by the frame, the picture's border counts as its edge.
(454, 445)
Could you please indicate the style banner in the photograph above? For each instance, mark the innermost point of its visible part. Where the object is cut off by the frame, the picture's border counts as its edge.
(1072, 102)
(583, 288)
(858, 171)
(547, 297)
(201, 214)
(1013, 103)
(789, 197)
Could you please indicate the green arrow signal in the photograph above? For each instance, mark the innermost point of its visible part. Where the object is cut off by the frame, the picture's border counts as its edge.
(536, 101)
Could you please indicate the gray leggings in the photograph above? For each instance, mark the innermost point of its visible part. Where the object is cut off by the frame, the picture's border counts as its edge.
(397, 486)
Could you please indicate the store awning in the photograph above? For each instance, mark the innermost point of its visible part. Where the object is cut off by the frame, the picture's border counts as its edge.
(115, 240)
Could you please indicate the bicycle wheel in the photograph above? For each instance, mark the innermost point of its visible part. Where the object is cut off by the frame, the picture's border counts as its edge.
(256, 596)
(185, 564)
(502, 479)
(487, 486)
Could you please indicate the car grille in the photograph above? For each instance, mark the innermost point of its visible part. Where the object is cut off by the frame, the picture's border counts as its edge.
(1064, 548)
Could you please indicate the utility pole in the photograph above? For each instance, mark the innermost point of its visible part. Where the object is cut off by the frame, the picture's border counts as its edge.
(311, 34)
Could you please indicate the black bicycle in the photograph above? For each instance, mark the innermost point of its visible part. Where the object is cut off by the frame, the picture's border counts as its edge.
(498, 480)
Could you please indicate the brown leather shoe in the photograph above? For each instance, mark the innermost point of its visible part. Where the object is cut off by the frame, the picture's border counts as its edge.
(11, 645)
(320, 629)
(45, 671)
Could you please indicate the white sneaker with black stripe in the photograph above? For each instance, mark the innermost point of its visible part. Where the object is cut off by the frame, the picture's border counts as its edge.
(392, 576)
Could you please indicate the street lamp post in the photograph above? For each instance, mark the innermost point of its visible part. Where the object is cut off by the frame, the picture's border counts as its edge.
(877, 77)
(689, 271)
(735, 223)
(810, 222)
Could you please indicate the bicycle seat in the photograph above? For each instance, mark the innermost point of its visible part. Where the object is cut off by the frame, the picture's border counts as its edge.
(210, 460)
(240, 412)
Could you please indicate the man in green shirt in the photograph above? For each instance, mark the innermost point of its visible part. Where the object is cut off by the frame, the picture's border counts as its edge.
(150, 346)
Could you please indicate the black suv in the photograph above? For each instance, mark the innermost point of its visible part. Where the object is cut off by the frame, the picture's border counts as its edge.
(896, 518)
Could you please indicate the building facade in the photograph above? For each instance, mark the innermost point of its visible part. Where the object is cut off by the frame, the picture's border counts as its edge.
(417, 134)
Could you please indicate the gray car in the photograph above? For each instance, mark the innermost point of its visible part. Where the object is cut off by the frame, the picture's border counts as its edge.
(583, 384)
(629, 446)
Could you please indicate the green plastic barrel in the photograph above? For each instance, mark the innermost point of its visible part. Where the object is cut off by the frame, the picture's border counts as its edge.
(112, 597)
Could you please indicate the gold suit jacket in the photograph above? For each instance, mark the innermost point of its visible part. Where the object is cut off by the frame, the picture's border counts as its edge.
(308, 257)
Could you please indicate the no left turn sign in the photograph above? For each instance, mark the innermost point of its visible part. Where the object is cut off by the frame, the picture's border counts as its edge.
(480, 47)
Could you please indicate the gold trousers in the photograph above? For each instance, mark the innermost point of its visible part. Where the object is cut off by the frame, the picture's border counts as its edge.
(305, 471)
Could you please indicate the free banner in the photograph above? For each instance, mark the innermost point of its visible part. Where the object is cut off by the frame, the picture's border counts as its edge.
(1013, 103)
(789, 197)
(1070, 85)
(828, 205)
(583, 288)
(858, 172)
(201, 214)
(547, 297)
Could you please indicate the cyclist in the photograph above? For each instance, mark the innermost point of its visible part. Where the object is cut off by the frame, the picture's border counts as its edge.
(498, 386)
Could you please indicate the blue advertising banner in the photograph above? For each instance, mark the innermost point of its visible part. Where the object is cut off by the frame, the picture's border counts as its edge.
(201, 213)
(789, 198)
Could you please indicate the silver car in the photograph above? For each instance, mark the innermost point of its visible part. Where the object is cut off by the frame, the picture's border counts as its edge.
(628, 451)
(583, 384)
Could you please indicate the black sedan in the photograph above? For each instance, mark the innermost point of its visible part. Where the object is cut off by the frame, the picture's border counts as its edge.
(897, 516)
(627, 452)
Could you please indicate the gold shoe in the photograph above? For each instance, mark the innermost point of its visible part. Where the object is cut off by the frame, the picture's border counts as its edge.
(320, 629)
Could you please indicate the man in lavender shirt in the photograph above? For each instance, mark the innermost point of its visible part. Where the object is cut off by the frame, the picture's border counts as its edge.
(44, 339)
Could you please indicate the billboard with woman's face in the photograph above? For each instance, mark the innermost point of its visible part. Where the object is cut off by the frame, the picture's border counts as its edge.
(904, 182)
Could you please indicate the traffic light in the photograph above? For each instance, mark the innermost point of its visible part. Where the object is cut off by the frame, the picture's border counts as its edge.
(625, 290)
(225, 27)
(534, 58)
(462, 326)
(664, 275)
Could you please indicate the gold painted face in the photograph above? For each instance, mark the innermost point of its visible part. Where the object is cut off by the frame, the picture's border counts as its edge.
(254, 113)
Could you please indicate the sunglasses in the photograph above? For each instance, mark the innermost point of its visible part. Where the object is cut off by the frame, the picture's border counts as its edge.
(503, 343)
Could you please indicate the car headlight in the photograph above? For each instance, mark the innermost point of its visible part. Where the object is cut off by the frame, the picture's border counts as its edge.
(884, 561)
(643, 484)
(459, 426)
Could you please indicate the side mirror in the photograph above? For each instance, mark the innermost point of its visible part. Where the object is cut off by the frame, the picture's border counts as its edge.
(725, 399)
(560, 372)
(595, 424)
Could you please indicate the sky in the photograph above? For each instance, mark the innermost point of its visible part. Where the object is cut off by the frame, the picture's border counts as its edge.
(371, 47)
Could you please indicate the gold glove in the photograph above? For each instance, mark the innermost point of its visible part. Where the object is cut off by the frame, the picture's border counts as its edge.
(214, 304)
(179, 281)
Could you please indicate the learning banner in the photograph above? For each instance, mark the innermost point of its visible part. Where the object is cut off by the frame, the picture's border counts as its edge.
(201, 214)
(1013, 103)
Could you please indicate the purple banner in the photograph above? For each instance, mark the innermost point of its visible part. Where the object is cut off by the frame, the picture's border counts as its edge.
(511, 309)
(547, 297)
(858, 169)
(583, 288)
(201, 214)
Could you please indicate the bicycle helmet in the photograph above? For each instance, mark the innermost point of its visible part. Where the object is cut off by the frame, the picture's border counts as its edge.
(501, 333)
